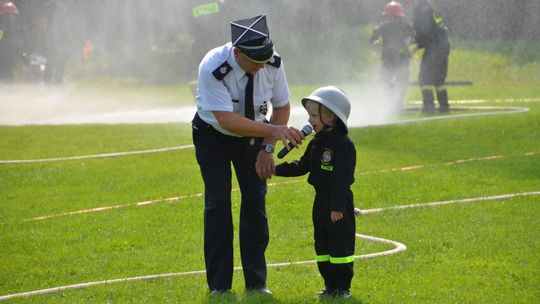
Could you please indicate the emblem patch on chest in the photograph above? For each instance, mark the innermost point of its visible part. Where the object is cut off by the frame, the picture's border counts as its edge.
(326, 160)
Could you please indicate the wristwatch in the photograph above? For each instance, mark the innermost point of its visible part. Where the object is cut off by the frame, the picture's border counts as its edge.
(268, 148)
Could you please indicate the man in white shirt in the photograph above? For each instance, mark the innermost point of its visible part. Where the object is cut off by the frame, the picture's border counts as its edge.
(238, 83)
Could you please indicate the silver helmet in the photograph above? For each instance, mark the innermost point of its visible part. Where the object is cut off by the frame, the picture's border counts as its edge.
(332, 98)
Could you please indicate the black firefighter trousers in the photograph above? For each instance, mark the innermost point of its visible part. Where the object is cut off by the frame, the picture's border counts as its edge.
(334, 241)
(215, 152)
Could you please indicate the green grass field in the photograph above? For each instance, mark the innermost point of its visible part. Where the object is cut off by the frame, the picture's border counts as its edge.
(480, 252)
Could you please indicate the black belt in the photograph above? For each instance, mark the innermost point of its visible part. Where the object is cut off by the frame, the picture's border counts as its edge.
(203, 125)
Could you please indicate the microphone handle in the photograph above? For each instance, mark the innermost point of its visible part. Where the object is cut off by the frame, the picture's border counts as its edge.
(286, 151)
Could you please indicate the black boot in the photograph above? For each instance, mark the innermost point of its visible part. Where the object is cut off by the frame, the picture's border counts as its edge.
(442, 98)
(428, 100)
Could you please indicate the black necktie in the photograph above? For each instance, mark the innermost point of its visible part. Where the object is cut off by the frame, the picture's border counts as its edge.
(248, 99)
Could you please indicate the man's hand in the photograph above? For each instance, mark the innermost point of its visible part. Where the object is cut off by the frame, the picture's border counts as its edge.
(288, 134)
(264, 165)
(336, 216)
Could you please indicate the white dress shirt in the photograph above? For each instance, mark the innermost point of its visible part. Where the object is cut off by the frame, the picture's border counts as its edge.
(270, 87)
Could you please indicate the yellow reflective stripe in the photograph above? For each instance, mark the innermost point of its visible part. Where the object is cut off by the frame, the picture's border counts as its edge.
(437, 19)
(425, 88)
(323, 258)
(1, 34)
(342, 260)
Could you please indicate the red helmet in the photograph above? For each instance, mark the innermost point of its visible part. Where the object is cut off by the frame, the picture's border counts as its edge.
(9, 8)
(394, 9)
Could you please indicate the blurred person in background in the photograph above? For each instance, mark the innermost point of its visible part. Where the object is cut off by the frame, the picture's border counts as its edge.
(56, 41)
(432, 36)
(395, 35)
(408, 8)
(11, 41)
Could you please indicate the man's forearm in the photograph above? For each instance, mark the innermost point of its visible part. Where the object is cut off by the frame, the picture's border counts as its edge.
(280, 116)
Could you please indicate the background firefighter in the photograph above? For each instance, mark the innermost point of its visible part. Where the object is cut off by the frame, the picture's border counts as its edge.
(395, 34)
(432, 36)
(10, 40)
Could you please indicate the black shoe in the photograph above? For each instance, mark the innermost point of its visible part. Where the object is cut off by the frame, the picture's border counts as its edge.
(326, 292)
(219, 292)
(428, 109)
(444, 109)
(260, 290)
(342, 293)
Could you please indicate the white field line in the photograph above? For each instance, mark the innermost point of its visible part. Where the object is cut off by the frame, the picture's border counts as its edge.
(398, 247)
(495, 111)
(294, 181)
(442, 203)
(105, 155)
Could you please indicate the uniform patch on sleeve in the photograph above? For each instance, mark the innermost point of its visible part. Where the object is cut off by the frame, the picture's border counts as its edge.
(326, 160)
(222, 71)
(275, 61)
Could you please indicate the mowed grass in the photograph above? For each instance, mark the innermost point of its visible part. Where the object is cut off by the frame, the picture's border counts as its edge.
(488, 247)
(480, 252)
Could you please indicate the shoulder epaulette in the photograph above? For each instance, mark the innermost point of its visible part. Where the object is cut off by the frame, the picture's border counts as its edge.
(222, 70)
(275, 61)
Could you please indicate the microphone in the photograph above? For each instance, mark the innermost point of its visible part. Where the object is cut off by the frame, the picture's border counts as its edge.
(306, 130)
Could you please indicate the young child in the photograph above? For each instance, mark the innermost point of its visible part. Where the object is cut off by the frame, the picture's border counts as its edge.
(330, 159)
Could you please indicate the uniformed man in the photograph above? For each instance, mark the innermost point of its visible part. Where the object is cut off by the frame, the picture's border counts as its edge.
(237, 84)
(432, 36)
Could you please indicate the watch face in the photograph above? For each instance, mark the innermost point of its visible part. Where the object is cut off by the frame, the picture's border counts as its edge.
(268, 148)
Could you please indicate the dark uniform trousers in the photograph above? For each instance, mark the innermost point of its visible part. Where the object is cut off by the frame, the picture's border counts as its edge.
(433, 72)
(334, 239)
(215, 152)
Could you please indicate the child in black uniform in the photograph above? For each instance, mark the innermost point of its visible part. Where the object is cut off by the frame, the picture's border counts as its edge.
(330, 159)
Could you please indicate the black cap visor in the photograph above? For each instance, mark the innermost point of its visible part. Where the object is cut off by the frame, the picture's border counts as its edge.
(260, 54)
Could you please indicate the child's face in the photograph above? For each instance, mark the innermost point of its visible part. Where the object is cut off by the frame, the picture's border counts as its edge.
(315, 119)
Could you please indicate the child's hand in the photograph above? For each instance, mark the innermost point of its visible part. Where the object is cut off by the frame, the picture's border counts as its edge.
(336, 216)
